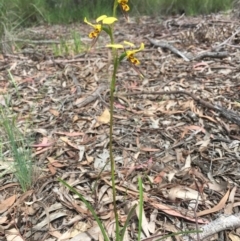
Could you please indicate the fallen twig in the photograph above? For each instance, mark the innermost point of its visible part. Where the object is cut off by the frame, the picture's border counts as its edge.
(226, 42)
(166, 45)
(218, 225)
(91, 97)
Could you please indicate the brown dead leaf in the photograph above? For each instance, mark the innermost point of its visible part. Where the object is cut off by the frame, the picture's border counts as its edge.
(3, 219)
(218, 207)
(52, 169)
(71, 134)
(105, 117)
(54, 112)
(4, 205)
(233, 237)
(149, 149)
(78, 228)
(55, 163)
(13, 235)
(45, 143)
(65, 139)
(173, 212)
(229, 207)
(9, 185)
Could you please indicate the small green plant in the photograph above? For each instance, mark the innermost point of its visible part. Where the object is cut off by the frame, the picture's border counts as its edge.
(120, 51)
(77, 43)
(15, 142)
(105, 23)
(69, 47)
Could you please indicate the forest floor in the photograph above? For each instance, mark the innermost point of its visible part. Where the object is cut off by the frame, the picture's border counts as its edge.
(178, 128)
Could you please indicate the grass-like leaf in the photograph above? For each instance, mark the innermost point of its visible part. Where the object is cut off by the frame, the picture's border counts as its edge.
(140, 207)
(90, 207)
(18, 145)
(127, 221)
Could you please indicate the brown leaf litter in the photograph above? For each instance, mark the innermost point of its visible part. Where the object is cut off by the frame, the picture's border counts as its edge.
(178, 128)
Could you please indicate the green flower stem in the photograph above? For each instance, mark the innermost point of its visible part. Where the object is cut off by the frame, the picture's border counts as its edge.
(112, 89)
(115, 5)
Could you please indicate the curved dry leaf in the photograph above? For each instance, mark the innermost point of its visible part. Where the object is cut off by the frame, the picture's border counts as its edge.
(102, 191)
(153, 219)
(105, 117)
(13, 235)
(218, 207)
(173, 212)
(4, 205)
(54, 112)
(229, 207)
(233, 237)
(91, 234)
(78, 228)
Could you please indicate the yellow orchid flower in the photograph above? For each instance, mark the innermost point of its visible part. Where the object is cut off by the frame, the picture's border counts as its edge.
(124, 5)
(98, 27)
(96, 31)
(130, 54)
(129, 43)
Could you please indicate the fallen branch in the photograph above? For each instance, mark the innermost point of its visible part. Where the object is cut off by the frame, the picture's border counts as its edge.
(218, 225)
(228, 114)
(166, 45)
(90, 97)
(222, 54)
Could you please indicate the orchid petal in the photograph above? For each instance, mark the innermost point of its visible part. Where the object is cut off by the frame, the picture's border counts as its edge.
(109, 20)
(101, 18)
(129, 43)
(115, 46)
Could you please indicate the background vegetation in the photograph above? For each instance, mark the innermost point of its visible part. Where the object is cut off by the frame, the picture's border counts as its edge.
(26, 12)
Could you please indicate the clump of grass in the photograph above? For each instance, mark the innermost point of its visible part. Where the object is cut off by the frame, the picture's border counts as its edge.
(69, 47)
(77, 43)
(16, 145)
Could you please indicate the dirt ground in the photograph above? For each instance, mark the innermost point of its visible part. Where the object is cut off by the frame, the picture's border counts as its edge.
(178, 128)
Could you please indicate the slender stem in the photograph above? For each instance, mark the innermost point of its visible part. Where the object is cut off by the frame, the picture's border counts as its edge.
(115, 5)
(112, 89)
(140, 207)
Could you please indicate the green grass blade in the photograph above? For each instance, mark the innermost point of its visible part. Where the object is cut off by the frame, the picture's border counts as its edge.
(140, 207)
(127, 221)
(90, 207)
(19, 146)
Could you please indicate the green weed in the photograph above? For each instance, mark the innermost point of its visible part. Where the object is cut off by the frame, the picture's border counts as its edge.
(16, 144)
(69, 47)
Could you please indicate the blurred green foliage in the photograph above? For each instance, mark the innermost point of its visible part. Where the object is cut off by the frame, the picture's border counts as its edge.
(26, 12)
